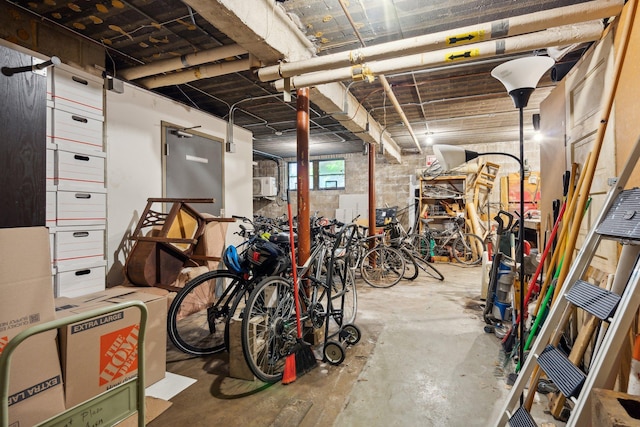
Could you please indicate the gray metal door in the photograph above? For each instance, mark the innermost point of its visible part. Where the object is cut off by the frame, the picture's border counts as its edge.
(193, 168)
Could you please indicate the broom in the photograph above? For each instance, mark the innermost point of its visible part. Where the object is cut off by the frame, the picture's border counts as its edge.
(301, 358)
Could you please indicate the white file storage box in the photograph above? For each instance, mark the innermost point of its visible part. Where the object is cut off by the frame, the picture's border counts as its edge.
(76, 246)
(50, 170)
(77, 131)
(79, 171)
(51, 208)
(81, 208)
(78, 92)
(80, 281)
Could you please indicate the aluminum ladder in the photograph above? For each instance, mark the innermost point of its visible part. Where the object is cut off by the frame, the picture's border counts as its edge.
(619, 220)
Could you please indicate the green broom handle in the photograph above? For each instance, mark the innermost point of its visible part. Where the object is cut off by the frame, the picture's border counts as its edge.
(543, 307)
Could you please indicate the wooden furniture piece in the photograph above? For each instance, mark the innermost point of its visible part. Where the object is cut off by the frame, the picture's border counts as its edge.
(614, 409)
(167, 242)
(442, 198)
(23, 133)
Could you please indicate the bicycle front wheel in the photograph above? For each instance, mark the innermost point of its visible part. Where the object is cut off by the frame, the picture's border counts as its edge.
(382, 267)
(468, 249)
(197, 318)
(428, 268)
(410, 267)
(269, 328)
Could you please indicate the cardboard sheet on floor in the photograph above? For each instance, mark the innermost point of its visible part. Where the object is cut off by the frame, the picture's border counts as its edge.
(153, 408)
(169, 386)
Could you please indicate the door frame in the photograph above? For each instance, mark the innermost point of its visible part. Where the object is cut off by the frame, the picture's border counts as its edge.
(165, 126)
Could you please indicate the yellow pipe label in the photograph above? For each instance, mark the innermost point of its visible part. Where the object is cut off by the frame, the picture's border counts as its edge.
(471, 37)
(461, 55)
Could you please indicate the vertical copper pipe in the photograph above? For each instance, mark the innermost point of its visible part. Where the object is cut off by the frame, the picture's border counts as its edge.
(302, 133)
(372, 192)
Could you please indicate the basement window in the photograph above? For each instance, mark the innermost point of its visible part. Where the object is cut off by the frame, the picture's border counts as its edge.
(323, 175)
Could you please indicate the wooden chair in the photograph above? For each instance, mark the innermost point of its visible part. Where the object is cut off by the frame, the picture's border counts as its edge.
(167, 242)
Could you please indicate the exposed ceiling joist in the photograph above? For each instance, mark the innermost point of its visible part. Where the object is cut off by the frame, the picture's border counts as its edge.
(265, 31)
(259, 26)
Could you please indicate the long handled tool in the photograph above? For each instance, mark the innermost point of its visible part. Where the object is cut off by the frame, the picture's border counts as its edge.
(301, 358)
(510, 337)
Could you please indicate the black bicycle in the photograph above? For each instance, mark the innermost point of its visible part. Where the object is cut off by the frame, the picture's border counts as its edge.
(199, 316)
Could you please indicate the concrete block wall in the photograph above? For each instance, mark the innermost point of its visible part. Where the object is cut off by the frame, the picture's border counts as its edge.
(392, 180)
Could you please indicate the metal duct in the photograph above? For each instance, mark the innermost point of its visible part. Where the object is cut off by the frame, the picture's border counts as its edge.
(518, 25)
(579, 33)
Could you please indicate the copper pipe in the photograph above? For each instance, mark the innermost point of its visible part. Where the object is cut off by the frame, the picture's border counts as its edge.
(302, 153)
(372, 193)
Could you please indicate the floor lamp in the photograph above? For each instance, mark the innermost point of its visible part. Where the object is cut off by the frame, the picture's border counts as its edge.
(520, 77)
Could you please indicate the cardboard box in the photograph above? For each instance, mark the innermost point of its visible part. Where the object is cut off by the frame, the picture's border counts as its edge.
(101, 353)
(26, 299)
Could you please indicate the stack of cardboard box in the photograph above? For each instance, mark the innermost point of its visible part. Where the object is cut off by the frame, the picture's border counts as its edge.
(96, 354)
(26, 299)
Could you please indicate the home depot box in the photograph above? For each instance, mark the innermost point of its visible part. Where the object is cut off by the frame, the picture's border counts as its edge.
(102, 352)
(26, 299)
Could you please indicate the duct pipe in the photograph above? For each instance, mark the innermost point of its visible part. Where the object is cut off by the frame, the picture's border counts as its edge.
(198, 73)
(580, 33)
(396, 105)
(383, 80)
(514, 26)
(183, 61)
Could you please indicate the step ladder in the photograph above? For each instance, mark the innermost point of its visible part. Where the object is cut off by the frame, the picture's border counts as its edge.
(619, 220)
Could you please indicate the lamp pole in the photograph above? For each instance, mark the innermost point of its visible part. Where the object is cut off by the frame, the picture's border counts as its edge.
(521, 242)
(520, 77)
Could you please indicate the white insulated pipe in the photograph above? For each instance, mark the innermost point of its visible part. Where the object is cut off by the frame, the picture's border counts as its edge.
(184, 61)
(514, 26)
(560, 36)
(198, 73)
(400, 111)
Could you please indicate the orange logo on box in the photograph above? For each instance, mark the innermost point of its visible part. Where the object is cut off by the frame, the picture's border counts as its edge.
(118, 353)
(3, 342)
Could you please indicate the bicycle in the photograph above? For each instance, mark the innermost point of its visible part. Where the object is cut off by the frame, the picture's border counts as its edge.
(399, 239)
(453, 242)
(380, 265)
(199, 315)
(269, 324)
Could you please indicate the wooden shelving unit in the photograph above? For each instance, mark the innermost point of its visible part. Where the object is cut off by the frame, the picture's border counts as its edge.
(441, 198)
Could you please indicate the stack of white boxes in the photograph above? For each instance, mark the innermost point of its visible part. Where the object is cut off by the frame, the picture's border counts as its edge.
(351, 206)
(76, 193)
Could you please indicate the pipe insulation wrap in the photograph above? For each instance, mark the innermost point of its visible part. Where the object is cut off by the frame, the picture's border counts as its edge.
(203, 72)
(538, 21)
(183, 61)
(578, 33)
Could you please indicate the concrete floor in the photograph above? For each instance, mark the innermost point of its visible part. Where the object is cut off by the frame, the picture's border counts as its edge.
(424, 360)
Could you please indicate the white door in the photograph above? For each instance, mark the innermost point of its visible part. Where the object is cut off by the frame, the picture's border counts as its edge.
(586, 87)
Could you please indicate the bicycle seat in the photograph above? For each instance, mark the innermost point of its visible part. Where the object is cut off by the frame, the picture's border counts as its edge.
(426, 220)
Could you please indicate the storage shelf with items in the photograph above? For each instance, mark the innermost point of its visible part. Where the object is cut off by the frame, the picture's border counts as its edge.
(442, 198)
